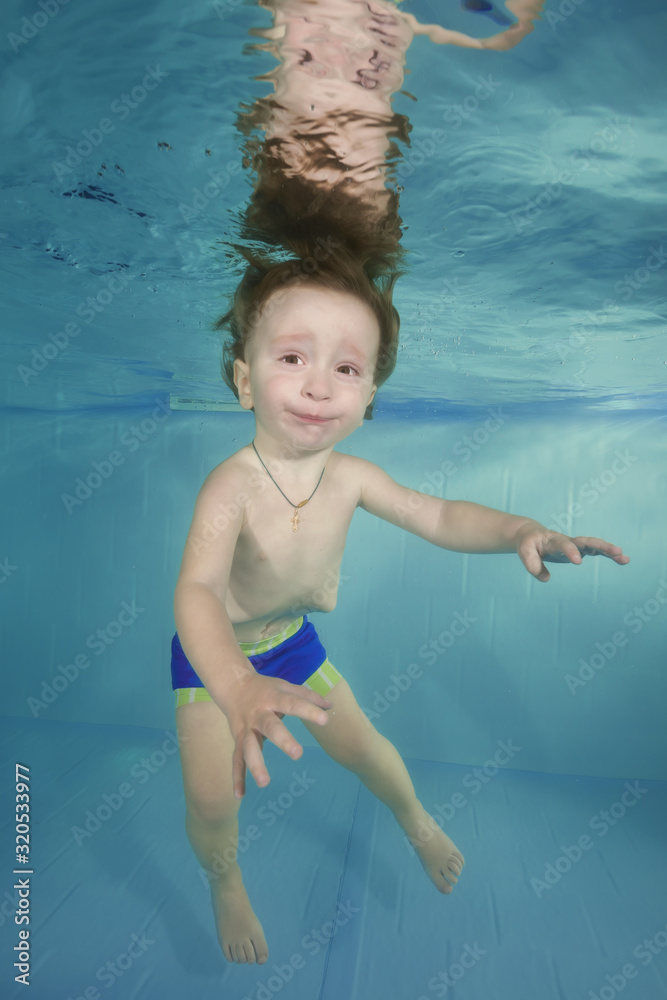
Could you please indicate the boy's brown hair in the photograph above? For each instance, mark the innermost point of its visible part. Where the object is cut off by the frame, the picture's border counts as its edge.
(325, 264)
(339, 235)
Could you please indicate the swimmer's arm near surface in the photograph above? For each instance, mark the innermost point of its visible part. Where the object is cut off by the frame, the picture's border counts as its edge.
(525, 10)
(462, 526)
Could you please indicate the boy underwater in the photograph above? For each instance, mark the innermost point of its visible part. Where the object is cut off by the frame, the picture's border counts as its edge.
(308, 353)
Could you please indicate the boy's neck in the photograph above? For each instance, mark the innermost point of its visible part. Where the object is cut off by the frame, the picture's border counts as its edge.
(296, 460)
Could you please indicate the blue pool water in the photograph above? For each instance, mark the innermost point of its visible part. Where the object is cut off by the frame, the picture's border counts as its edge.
(531, 377)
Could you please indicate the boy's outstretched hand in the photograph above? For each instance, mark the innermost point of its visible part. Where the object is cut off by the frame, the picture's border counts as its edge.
(536, 545)
(254, 714)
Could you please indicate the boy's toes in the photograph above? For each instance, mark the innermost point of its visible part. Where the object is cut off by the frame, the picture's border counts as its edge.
(238, 953)
(262, 956)
(450, 874)
(449, 880)
(248, 953)
(456, 865)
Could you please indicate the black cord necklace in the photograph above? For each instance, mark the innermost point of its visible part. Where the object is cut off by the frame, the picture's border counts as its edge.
(296, 506)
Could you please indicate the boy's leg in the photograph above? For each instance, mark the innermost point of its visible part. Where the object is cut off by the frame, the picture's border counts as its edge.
(350, 739)
(206, 748)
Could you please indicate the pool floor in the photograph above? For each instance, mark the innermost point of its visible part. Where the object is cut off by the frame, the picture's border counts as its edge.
(562, 895)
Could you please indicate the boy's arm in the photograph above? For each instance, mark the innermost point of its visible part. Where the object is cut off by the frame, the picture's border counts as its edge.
(252, 704)
(527, 11)
(468, 527)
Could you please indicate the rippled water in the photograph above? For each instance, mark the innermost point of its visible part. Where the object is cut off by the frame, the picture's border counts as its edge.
(532, 199)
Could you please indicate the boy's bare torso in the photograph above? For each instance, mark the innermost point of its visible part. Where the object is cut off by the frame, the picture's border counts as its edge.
(279, 574)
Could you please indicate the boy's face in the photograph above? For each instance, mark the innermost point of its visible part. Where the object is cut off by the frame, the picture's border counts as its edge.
(309, 366)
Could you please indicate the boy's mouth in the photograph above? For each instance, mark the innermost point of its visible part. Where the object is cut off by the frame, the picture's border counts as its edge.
(312, 418)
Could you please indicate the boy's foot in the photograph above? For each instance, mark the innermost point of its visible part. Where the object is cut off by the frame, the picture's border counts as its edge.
(239, 931)
(441, 859)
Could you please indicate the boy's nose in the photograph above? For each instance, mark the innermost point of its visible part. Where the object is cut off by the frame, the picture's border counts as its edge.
(317, 386)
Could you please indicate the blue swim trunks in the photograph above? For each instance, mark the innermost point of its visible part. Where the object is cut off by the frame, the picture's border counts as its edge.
(295, 655)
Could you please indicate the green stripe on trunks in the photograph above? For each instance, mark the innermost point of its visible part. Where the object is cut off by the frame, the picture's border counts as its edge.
(264, 645)
(324, 679)
(186, 696)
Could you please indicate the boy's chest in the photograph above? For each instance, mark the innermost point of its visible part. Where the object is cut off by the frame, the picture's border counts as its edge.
(286, 541)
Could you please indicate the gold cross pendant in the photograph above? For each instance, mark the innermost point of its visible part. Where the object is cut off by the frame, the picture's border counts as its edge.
(295, 516)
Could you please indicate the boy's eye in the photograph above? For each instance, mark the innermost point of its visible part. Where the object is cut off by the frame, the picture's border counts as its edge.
(347, 370)
(291, 359)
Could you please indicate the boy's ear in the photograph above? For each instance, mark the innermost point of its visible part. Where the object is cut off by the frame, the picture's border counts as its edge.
(372, 396)
(242, 383)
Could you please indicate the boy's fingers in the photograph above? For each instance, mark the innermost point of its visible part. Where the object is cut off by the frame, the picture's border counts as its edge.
(598, 547)
(530, 557)
(543, 574)
(302, 694)
(238, 771)
(572, 552)
(254, 760)
(293, 702)
(560, 548)
(294, 699)
(273, 729)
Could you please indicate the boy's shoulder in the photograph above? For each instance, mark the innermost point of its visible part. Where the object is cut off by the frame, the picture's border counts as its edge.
(349, 464)
(356, 472)
(232, 473)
